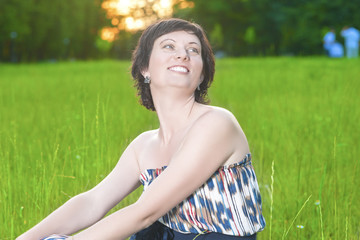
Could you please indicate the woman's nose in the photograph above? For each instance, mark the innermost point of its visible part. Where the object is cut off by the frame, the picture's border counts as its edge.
(182, 55)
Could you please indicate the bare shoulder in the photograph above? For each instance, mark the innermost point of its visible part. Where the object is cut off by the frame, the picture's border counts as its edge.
(220, 117)
(143, 138)
(220, 125)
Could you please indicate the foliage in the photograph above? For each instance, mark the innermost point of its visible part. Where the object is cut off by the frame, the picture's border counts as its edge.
(63, 127)
(57, 29)
(290, 27)
(36, 30)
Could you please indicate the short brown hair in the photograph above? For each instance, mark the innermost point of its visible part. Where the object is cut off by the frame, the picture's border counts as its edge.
(141, 57)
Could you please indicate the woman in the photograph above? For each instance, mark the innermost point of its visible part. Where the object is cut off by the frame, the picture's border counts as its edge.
(196, 167)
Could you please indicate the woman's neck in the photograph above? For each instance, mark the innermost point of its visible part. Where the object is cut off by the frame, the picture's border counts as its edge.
(174, 115)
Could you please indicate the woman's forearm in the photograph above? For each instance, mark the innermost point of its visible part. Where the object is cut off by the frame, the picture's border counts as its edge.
(76, 214)
(119, 225)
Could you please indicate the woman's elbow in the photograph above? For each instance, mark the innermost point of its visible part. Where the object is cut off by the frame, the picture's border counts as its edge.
(92, 207)
(147, 215)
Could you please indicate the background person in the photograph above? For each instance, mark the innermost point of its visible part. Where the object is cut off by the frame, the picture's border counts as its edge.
(328, 40)
(336, 50)
(196, 167)
(352, 38)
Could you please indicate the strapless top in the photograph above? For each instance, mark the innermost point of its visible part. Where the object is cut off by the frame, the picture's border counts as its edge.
(229, 202)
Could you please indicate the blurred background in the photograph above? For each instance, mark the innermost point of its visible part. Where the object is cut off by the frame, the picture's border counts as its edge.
(43, 30)
(64, 125)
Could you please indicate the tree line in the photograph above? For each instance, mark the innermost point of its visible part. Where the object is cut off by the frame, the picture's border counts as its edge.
(37, 30)
(273, 27)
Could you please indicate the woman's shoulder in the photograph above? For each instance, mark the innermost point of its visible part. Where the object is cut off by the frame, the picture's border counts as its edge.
(220, 111)
(229, 132)
(218, 115)
(219, 119)
(144, 137)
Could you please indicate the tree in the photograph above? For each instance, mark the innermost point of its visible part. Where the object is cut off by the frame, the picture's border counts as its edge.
(276, 27)
(54, 29)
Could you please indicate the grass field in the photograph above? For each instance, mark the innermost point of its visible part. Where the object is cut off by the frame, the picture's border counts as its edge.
(63, 127)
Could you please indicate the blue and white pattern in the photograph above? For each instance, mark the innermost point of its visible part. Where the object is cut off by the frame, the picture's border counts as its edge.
(229, 203)
(56, 237)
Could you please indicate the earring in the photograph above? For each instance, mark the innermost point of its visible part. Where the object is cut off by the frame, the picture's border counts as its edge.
(147, 79)
(198, 87)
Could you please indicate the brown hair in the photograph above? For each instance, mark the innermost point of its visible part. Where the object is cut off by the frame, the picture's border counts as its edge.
(141, 57)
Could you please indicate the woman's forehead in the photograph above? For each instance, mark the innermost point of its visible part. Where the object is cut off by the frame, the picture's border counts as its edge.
(179, 36)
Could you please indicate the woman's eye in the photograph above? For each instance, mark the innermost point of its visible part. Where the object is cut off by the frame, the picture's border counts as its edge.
(168, 46)
(195, 50)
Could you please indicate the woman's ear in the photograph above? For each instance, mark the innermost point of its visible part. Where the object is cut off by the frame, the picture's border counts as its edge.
(145, 73)
(201, 78)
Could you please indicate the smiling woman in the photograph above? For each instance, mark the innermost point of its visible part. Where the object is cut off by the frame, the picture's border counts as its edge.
(196, 167)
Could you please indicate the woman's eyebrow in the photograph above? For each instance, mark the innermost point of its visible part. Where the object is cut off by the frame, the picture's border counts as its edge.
(167, 40)
(170, 39)
(194, 43)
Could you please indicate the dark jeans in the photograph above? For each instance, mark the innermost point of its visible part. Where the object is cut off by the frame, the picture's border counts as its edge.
(158, 231)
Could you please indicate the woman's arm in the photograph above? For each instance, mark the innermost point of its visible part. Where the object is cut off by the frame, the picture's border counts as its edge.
(87, 208)
(214, 139)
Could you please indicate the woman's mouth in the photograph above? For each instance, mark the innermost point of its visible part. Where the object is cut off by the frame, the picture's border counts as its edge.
(181, 69)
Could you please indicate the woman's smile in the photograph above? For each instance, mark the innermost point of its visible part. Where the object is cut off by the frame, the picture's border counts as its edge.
(180, 69)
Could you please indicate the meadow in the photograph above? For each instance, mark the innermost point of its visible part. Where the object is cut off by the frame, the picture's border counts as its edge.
(64, 125)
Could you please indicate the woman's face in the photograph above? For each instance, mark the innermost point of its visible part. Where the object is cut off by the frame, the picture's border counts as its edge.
(176, 61)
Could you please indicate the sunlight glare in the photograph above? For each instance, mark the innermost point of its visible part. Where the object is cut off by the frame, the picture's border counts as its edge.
(164, 8)
(123, 7)
(132, 24)
(109, 34)
(134, 15)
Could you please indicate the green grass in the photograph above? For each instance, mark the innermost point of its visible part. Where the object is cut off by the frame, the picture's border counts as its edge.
(63, 127)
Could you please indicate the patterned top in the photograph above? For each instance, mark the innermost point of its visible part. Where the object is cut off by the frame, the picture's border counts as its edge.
(229, 202)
